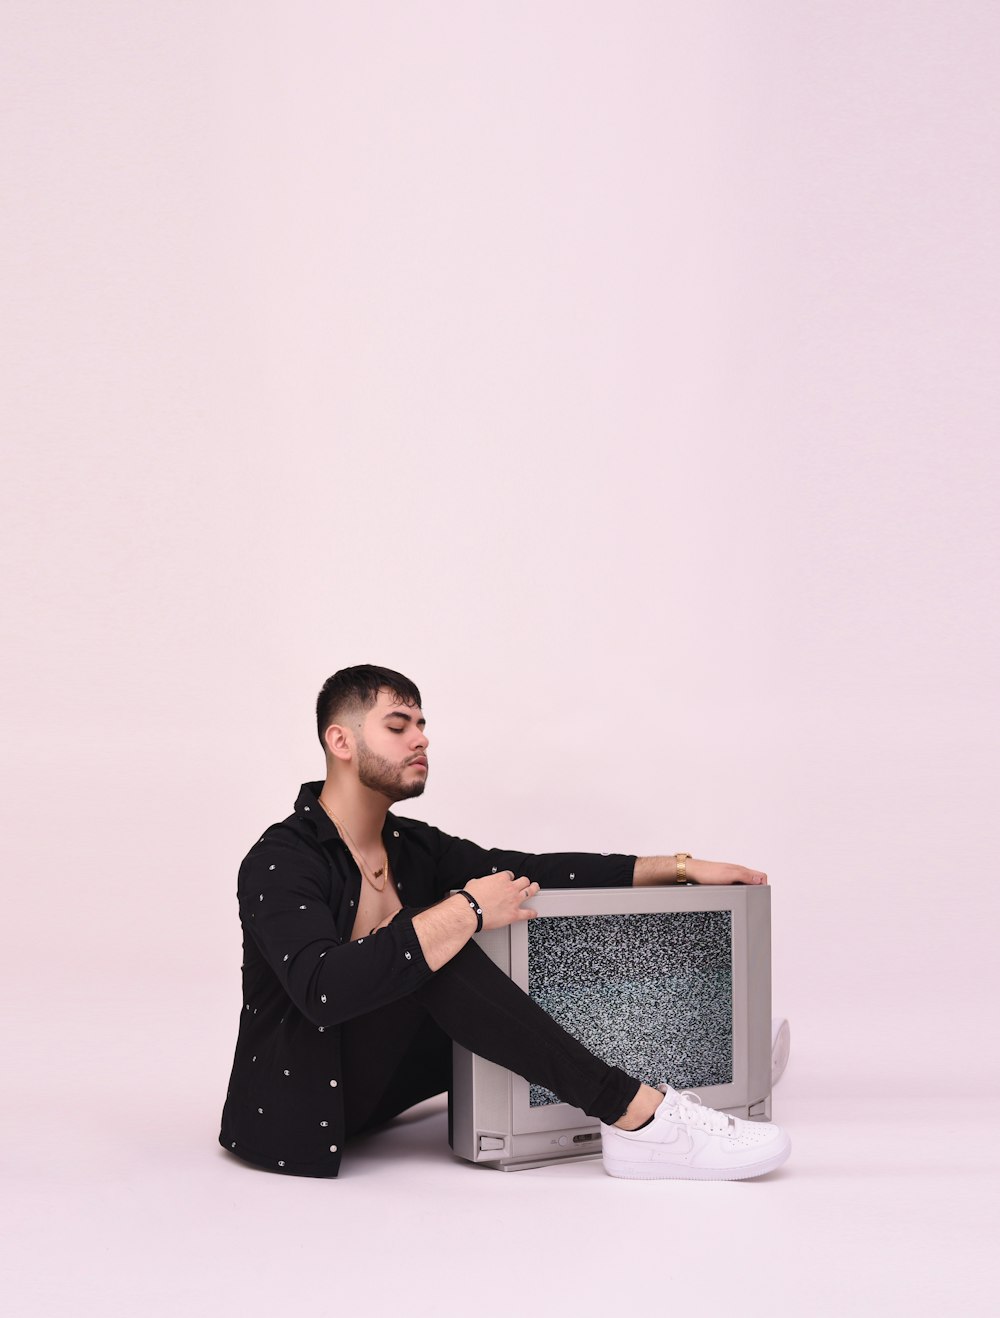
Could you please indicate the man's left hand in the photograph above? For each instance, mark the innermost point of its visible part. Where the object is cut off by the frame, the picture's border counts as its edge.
(720, 871)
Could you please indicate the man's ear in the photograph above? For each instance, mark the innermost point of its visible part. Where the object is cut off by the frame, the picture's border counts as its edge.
(339, 741)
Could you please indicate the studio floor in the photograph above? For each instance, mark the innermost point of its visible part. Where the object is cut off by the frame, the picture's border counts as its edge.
(119, 1200)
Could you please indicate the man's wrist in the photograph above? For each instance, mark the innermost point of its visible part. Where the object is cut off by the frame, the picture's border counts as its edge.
(466, 900)
(649, 870)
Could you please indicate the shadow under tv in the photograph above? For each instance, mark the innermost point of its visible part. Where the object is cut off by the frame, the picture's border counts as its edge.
(671, 983)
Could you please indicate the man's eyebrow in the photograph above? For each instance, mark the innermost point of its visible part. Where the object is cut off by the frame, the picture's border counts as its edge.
(398, 713)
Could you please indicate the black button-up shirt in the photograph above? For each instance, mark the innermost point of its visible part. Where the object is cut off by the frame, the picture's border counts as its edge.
(303, 975)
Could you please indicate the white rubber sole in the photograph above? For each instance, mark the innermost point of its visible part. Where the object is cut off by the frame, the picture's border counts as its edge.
(675, 1171)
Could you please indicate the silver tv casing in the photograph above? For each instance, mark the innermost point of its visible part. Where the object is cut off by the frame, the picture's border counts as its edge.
(492, 1122)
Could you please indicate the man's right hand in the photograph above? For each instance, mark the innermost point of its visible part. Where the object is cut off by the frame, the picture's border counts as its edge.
(500, 896)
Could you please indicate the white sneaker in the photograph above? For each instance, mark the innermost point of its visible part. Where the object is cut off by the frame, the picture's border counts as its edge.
(689, 1141)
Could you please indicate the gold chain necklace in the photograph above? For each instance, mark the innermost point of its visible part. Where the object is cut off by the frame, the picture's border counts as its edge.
(356, 853)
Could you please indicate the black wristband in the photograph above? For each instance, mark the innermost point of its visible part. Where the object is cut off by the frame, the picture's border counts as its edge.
(475, 906)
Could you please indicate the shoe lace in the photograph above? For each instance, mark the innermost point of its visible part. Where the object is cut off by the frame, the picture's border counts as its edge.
(690, 1108)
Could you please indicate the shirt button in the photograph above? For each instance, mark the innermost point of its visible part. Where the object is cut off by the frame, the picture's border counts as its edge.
(333, 1084)
(407, 955)
(395, 834)
(281, 1161)
(352, 901)
(305, 807)
(333, 1148)
(572, 876)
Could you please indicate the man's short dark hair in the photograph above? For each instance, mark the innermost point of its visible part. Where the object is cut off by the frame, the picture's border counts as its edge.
(351, 692)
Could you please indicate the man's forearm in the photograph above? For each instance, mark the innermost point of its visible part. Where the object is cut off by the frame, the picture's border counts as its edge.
(444, 929)
(654, 869)
(663, 869)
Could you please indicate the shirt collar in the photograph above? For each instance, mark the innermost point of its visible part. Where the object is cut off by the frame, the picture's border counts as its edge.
(308, 808)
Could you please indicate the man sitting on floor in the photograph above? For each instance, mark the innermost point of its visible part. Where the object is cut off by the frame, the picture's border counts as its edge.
(359, 972)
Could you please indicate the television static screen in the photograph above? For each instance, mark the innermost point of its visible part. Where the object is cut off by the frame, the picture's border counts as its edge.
(651, 993)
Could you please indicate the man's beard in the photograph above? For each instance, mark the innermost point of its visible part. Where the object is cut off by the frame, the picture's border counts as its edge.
(383, 776)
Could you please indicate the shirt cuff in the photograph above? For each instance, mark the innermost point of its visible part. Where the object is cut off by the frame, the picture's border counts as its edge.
(409, 943)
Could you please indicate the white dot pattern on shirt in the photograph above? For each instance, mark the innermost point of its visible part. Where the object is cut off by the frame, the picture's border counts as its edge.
(323, 997)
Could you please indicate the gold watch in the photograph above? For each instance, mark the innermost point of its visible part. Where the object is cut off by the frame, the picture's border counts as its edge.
(681, 857)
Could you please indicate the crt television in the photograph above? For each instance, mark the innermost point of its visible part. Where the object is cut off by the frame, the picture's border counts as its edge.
(671, 983)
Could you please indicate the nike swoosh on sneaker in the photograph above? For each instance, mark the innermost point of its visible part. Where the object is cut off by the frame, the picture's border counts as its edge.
(679, 1147)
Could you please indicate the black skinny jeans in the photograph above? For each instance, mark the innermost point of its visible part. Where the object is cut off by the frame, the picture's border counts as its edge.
(400, 1054)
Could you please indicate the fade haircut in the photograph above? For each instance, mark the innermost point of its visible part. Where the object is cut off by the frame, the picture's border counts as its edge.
(351, 692)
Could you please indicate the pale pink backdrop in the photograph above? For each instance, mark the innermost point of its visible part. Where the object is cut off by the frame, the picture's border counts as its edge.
(626, 374)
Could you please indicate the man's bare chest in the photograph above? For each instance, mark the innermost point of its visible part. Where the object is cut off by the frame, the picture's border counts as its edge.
(374, 907)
